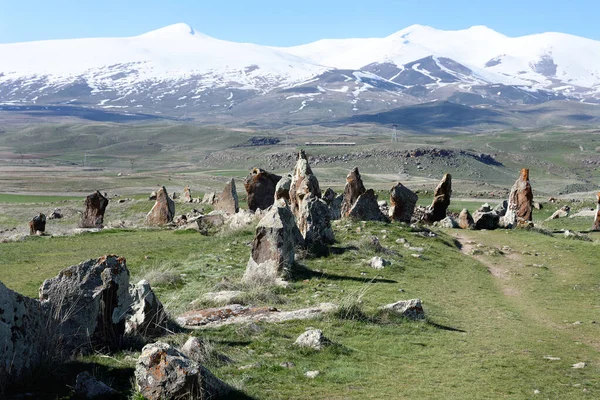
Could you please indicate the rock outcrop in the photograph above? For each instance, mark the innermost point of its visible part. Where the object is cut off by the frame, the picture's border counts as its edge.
(465, 220)
(93, 215)
(365, 208)
(402, 203)
(228, 200)
(273, 247)
(520, 202)
(163, 372)
(147, 315)
(441, 200)
(352, 191)
(304, 183)
(37, 225)
(163, 211)
(596, 226)
(260, 186)
(91, 301)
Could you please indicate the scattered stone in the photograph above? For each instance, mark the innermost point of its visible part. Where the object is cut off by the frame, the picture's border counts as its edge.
(91, 301)
(365, 208)
(562, 212)
(287, 364)
(37, 225)
(260, 186)
(282, 189)
(312, 338)
(352, 191)
(147, 315)
(465, 220)
(447, 222)
(223, 297)
(163, 210)
(485, 220)
(596, 226)
(552, 358)
(56, 214)
(537, 205)
(501, 208)
(187, 195)
(195, 349)
(536, 391)
(312, 374)
(411, 309)
(579, 365)
(403, 202)
(163, 372)
(378, 263)
(273, 247)
(209, 198)
(520, 202)
(228, 200)
(210, 223)
(88, 387)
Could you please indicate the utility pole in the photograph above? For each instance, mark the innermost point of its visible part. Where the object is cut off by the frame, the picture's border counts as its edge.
(84, 159)
(394, 133)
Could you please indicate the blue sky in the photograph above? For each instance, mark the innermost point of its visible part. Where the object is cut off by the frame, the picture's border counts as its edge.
(289, 22)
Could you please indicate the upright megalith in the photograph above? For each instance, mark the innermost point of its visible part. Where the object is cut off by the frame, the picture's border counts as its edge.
(93, 215)
(163, 211)
(146, 314)
(353, 189)
(273, 247)
(441, 200)
(465, 219)
(228, 200)
(366, 208)
(315, 225)
(37, 225)
(402, 203)
(334, 202)
(304, 182)
(187, 195)
(260, 187)
(282, 189)
(520, 202)
(91, 301)
(596, 226)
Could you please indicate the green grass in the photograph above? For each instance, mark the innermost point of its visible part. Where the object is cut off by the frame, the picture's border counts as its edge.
(27, 198)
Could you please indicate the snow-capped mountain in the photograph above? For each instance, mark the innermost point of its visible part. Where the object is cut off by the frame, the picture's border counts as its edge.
(178, 72)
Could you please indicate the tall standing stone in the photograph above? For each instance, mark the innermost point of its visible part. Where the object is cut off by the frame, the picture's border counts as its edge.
(315, 225)
(260, 186)
(187, 195)
(163, 211)
(93, 215)
(273, 247)
(282, 189)
(596, 226)
(37, 224)
(228, 200)
(520, 202)
(353, 189)
(304, 182)
(402, 203)
(441, 200)
(365, 208)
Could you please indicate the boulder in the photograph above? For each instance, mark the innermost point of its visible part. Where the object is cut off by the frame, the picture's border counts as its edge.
(209, 198)
(378, 263)
(441, 200)
(448, 222)
(312, 338)
(91, 301)
(93, 215)
(520, 202)
(273, 247)
(282, 189)
(163, 372)
(56, 214)
(260, 186)
(465, 220)
(210, 223)
(88, 387)
(596, 226)
(163, 210)
(335, 207)
(352, 191)
(402, 201)
(147, 315)
(314, 223)
(411, 309)
(562, 212)
(228, 200)
(37, 225)
(501, 208)
(485, 220)
(187, 195)
(365, 208)
(24, 335)
(195, 349)
(303, 183)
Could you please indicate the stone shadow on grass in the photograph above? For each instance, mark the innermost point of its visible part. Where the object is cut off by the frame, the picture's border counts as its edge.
(301, 272)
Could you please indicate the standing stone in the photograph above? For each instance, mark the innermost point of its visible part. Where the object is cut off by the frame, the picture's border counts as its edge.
(334, 203)
(163, 211)
(282, 189)
(23, 334)
(93, 215)
(520, 202)
(91, 301)
(37, 224)
(315, 225)
(465, 220)
(228, 201)
(365, 208)
(441, 200)
(272, 256)
(329, 196)
(403, 202)
(596, 226)
(353, 189)
(304, 183)
(260, 186)
(209, 198)
(147, 315)
(163, 372)
(187, 195)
